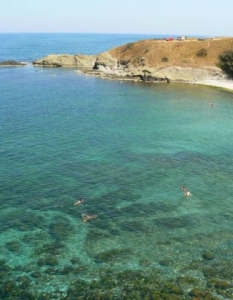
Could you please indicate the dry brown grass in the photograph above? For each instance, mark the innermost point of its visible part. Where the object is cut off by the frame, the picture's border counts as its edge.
(178, 53)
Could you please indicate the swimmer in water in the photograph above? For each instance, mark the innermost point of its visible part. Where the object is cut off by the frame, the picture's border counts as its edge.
(183, 188)
(79, 202)
(86, 218)
(187, 194)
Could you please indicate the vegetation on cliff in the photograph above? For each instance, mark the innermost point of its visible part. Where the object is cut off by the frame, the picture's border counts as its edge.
(226, 62)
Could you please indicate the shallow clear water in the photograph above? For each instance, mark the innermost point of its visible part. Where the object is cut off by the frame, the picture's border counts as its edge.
(126, 148)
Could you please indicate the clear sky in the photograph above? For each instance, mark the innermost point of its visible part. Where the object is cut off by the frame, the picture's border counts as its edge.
(181, 17)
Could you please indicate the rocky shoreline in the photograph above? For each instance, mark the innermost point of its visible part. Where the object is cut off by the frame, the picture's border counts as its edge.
(151, 61)
(105, 66)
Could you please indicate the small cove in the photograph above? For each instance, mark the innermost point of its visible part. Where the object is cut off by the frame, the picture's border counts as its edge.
(126, 148)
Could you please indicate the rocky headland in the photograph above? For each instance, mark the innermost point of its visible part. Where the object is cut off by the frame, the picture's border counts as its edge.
(189, 60)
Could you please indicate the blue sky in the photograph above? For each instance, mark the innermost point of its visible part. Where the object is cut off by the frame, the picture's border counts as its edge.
(188, 17)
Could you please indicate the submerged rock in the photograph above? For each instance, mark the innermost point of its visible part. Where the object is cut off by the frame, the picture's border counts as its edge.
(208, 255)
(75, 260)
(47, 261)
(13, 246)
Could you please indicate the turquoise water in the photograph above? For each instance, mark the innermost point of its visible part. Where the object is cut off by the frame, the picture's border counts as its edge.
(126, 148)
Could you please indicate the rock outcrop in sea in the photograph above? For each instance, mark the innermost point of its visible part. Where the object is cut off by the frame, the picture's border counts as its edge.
(104, 65)
(140, 62)
(66, 60)
(11, 63)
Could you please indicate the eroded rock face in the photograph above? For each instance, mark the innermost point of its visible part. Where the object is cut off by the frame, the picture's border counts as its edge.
(85, 60)
(169, 74)
(105, 62)
(186, 74)
(66, 60)
(104, 65)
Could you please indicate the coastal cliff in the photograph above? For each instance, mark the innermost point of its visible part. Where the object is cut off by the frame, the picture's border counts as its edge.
(188, 60)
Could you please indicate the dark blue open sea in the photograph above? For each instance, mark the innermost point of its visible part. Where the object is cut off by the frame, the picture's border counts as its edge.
(126, 148)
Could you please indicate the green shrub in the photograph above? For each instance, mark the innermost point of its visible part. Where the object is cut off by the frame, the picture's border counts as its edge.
(202, 53)
(226, 62)
(129, 45)
(165, 59)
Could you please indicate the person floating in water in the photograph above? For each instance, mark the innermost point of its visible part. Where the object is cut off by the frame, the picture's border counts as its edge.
(187, 194)
(79, 202)
(86, 218)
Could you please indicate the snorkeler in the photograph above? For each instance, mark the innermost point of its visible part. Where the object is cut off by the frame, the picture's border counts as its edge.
(79, 202)
(183, 188)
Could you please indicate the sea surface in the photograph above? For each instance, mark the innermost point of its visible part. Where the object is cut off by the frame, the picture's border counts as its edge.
(126, 148)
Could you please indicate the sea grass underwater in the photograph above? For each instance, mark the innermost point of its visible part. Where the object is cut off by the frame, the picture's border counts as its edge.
(126, 149)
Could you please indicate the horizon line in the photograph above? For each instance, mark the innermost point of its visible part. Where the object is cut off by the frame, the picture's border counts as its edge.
(106, 33)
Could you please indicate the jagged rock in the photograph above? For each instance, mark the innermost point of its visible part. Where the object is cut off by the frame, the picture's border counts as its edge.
(105, 62)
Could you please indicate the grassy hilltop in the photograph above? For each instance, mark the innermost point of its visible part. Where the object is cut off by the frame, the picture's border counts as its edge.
(161, 53)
